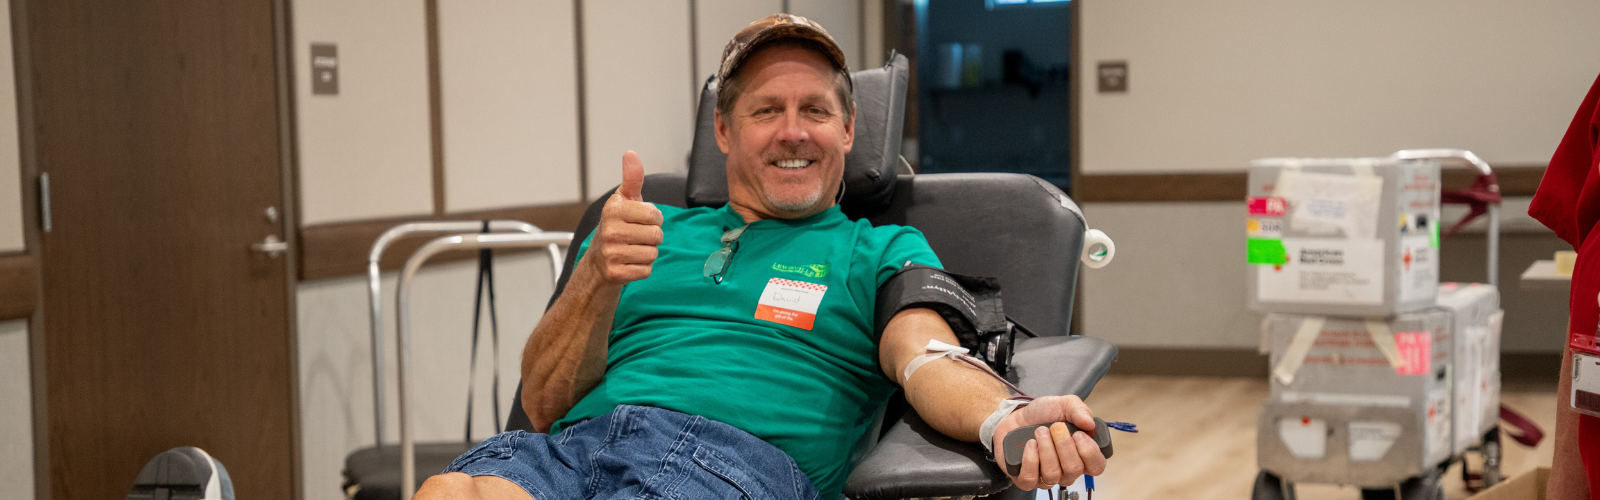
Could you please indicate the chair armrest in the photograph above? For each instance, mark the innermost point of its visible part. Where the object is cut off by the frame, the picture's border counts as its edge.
(914, 460)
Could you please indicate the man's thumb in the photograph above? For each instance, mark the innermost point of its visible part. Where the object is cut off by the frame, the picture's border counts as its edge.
(632, 177)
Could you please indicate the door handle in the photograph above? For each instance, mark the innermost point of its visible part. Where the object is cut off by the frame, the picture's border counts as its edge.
(272, 246)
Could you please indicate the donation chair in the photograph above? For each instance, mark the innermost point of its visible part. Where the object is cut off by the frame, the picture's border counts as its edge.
(1015, 227)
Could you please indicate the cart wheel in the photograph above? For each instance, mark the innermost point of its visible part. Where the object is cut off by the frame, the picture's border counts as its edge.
(1270, 487)
(1491, 458)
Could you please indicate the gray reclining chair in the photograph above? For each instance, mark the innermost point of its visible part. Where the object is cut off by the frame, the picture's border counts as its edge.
(1015, 227)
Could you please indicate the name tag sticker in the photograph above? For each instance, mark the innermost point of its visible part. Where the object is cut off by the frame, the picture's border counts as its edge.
(788, 302)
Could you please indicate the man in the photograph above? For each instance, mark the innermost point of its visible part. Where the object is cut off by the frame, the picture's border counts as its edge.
(706, 353)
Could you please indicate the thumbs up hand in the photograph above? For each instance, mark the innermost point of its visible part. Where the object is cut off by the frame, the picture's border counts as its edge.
(624, 246)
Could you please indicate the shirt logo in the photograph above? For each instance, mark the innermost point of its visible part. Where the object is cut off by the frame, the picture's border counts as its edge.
(810, 271)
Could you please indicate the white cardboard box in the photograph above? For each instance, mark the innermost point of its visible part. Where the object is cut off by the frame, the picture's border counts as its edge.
(1476, 324)
(1343, 236)
(1351, 362)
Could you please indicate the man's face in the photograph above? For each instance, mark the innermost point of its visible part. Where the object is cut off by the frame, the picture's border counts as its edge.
(787, 135)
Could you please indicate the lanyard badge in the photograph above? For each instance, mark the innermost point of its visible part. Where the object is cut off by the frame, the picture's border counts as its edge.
(1585, 383)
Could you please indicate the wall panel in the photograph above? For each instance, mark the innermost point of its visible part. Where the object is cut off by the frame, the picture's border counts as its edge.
(1213, 85)
(11, 239)
(16, 411)
(509, 84)
(715, 23)
(842, 19)
(366, 152)
(638, 91)
(1178, 278)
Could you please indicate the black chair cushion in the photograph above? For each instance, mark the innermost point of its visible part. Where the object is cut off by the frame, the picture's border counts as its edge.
(869, 170)
(1014, 227)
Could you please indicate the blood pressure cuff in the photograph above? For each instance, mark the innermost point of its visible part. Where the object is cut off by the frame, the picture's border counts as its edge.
(971, 305)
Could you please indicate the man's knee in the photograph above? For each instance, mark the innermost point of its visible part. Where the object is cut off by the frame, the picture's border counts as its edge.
(452, 486)
(459, 486)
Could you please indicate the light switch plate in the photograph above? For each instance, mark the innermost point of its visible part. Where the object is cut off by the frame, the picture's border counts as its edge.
(1113, 76)
(324, 69)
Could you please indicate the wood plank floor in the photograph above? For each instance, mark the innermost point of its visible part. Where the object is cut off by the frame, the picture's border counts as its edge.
(1197, 438)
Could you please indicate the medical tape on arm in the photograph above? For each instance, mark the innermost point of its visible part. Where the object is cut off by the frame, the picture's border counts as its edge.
(936, 350)
(986, 431)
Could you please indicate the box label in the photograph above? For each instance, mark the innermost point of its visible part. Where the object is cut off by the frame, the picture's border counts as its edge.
(1266, 206)
(1266, 251)
(1333, 204)
(1324, 270)
(1416, 350)
(1419, 268)
(1263, 228)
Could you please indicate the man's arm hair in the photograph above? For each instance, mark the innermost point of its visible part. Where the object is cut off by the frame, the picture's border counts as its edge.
(954, 398)
(565, 357)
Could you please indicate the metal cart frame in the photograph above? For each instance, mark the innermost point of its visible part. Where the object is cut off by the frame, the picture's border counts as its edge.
(503, 234)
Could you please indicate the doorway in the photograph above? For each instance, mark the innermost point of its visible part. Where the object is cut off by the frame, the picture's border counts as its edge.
(157, 123)
(993, 91)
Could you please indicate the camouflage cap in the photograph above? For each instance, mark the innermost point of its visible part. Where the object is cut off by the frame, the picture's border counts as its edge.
(775, 27)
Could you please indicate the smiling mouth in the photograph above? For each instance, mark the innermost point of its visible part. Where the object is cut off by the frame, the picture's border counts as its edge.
(792, 164)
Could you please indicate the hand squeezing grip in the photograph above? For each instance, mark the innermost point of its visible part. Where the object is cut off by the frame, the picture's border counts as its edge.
(1017, 440)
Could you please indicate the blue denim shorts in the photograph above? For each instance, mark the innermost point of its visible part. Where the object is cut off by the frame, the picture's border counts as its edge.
(640, 452)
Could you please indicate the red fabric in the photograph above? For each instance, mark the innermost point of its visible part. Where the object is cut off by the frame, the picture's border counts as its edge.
(1568, 201)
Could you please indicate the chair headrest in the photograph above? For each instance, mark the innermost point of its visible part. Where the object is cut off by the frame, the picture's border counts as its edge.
(869, 169)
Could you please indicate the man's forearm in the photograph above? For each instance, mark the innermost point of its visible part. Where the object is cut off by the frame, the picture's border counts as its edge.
(565, 357)
(951, 396)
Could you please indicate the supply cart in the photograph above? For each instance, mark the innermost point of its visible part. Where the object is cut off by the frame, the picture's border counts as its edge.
(1392, 422)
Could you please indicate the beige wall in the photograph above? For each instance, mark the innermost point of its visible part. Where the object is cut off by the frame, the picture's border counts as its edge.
(508, 77)
(16, 411)
(1179, 277)
(716, 21)
(365, 153)
(11, 239)
(638, 93)
(16, 380)
(842, 20)
(1215, 84)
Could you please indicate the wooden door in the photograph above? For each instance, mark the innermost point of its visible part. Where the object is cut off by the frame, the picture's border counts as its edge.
(157, 122)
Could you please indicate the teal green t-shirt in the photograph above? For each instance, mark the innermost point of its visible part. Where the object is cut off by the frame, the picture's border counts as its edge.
(682, 342)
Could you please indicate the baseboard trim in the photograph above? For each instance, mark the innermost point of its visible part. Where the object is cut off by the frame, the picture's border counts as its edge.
(1197, 362)
(1515, 180)
(1515, 368)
